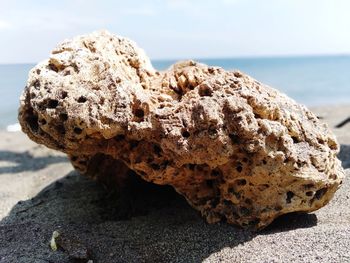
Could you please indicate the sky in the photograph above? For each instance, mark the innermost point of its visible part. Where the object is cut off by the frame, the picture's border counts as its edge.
(179, 29)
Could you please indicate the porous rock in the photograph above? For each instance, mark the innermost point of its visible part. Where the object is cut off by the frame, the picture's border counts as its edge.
(237, 149)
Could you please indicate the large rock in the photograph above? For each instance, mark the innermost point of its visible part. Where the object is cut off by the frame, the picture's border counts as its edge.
(236, 149)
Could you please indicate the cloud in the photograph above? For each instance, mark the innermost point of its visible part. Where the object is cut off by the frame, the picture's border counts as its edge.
(197, 4)
(190, 8)
(230, 2)
(179, 4)
(5, 25)
(141, 11)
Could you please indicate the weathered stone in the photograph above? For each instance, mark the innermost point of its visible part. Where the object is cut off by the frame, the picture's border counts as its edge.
(235, 148)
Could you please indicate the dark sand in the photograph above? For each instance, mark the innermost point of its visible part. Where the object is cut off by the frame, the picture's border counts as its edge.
(162, 227)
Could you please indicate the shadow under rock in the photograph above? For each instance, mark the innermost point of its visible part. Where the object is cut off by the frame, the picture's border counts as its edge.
(344, 155)
(26, 162)
(161, 226)
(291, 221)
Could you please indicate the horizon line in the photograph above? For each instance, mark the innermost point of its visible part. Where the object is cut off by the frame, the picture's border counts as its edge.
(220, 58)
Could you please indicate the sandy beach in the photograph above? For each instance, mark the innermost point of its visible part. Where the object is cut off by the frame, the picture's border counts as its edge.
(40, 193)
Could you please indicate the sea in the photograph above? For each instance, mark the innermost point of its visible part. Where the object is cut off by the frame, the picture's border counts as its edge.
(312, 81)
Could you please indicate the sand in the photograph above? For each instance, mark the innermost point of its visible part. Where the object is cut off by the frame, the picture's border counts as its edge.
(153, 224)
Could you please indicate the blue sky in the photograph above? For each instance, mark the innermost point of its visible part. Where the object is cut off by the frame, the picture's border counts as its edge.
(180, 28)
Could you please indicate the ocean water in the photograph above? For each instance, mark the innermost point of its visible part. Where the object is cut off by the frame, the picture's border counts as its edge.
(312, 81)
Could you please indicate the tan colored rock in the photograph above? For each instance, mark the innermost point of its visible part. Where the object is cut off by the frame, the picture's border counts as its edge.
(235, 148)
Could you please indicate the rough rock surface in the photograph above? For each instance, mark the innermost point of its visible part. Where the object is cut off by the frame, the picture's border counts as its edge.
(236, 149)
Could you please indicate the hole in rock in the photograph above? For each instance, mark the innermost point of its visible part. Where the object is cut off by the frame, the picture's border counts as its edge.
(61, 129)
(248, 201)
(253, 223)
(278, 208)
(36, 84)
(227, 202)
(295, 139)
(239, 168)
(42, 122)
(289, 197)
(63, 116)
(201, 167)
(165, 163)
(32, 121)
(244, 211)
(157, 150)
(139, 113)
(320, 193)
(82, 99)
(257, 116)
(119, 137)
(214, 202)
(232, 191)
(309, 193)
(234, 138)
(66, 72)
(210, 183)
(237, 74)
(53, 67)
(77, 130)
(185, 134)
(212, 132)
(133, 144)
(211, 70)
(216, 172)
(320, 141)
(205, 91)
(155, 166)
(83, 162)
(52, 104)
(64, 94)
(241, 182)
(332, 144)
(333, 176)
(191, 166)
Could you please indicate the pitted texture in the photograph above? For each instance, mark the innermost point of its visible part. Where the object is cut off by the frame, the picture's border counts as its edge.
(236, 149)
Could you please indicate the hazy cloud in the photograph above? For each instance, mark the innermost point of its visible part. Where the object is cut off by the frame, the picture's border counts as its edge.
(5, 25)
(141, 11)
(179, 28)
(230, 2)
(179, 4)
